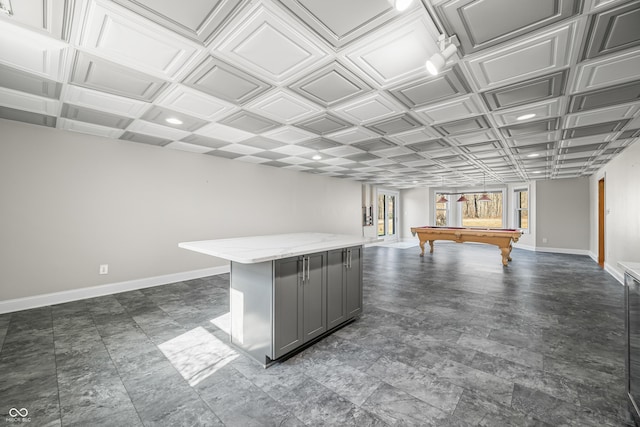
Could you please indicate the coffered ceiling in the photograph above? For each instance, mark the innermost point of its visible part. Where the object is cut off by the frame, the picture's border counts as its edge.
(335, 87)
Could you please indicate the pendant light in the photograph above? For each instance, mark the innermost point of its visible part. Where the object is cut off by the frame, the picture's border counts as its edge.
(485, 197)
(462, 199)
(442, 199)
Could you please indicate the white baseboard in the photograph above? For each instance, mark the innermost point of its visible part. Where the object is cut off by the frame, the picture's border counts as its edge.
(25, 303)
(564, 251)
(614, 272)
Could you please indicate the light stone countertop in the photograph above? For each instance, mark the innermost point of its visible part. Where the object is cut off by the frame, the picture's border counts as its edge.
(250, 250)
(633, 268)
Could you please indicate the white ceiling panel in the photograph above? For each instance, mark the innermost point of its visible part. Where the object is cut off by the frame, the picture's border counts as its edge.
(104, 101)
(185, 146)
(200, 21)
(262, 80)
(542, 110)
(587, 140)
(396, 53)
(372, 107)
(606, 71)
(351, 135)
(98, 74)
(32, 52)
(283, 106)
(525, 59)
(190, 101)
(50, 17)
(474, 138)
(240, 149)
(224, 133)
(601, 115)
(464, 106)
(418, 135)
(153, 129)
(122, 36)
(264, 41)
(26, 101)
(88, 128)
(293, 150)
(290, 135)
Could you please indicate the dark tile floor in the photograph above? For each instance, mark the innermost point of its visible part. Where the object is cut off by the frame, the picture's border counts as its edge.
(452, 338)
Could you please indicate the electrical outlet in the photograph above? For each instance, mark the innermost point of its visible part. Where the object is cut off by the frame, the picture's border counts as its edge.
(544, 240)
(104, 269)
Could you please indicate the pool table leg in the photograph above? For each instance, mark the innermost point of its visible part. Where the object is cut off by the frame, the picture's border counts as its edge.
(506, 255)
(431, 246)
(422, 247)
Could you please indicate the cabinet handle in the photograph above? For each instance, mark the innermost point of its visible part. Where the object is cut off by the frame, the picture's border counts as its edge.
(308, 268)
(345, 258)
(348, 258)
(303, 261)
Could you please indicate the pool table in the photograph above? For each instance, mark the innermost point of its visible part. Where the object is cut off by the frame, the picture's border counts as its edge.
(501, 237)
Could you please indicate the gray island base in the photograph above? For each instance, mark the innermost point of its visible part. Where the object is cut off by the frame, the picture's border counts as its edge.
(289, 290)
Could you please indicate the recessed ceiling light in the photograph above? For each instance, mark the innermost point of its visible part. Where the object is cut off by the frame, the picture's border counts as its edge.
(317, 157)
(174, 121)
(526, 116)
(533, 155)
(537, 171)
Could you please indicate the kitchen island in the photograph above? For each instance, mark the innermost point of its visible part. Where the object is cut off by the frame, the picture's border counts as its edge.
(289, 290)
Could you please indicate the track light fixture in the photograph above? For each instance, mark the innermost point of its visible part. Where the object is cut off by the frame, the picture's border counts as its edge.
(400, 5)
(436, 63)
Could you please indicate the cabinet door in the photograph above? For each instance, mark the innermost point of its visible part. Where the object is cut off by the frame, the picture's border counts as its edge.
(287, 301)
(354, 281)
(314, 295)
(336, 288)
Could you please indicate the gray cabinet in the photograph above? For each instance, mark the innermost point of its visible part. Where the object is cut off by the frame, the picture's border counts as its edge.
(299, 299)
(344, 287)
(278, 306)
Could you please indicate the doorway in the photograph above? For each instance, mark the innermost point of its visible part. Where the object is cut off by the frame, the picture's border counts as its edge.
(601, 216)
(388, 215)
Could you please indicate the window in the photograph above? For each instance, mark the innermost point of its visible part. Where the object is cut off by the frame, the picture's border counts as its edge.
(442, 211)
(387, 213)
(478, 213)
(521, 218)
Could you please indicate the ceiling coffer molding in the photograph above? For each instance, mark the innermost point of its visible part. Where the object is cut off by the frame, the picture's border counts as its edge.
(357, 17)
(613, 30)
(432, 90)
(596, 129)
(472, 124)
(331, 85)
(226, 82)
(531, 127)
(534, 90)
(200, 22)
(394, 125)
(98, 74)
(600, 98)
(480, 24)
(277, 82)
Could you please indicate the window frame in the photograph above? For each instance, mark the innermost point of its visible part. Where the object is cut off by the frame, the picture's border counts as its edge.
(517, 209)
(447, 210)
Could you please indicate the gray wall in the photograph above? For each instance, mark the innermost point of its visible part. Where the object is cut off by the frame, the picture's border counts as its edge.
(71, 202)
(562, 214)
